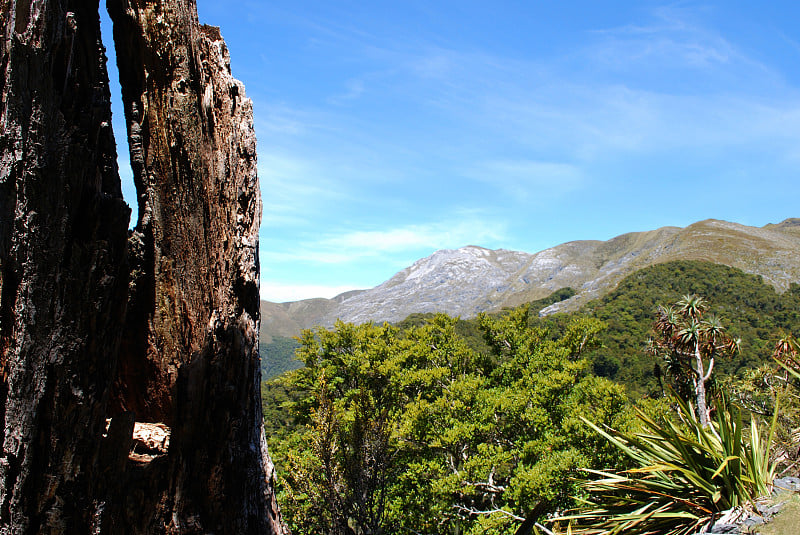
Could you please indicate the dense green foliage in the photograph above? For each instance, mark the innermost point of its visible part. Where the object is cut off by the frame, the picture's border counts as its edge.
(415, 431)
(441, 425)
(278, 356)
(750, 308)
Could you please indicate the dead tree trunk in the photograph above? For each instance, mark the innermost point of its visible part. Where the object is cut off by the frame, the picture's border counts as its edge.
(194, 305)
(159, 326)
(63, 276)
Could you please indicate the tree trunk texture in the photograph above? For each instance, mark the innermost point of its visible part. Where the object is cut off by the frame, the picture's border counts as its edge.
(130, 370)
(63, 229)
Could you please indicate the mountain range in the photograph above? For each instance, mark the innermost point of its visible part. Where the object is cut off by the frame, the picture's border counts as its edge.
(466, 281)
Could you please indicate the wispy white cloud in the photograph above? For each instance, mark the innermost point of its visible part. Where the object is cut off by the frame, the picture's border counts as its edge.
(406, 121)
(282, 119)
(668, 85)
(793, 43)
(528, 178)
(433, 236)
(370, 242)
(307, 253)
(353, 89)
(672, 39)
(292, 188)
(619, 122)
(355, 245)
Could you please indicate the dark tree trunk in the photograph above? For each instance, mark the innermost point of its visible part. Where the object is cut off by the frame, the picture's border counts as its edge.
(194, 304)
(159, 326)
(63, 274)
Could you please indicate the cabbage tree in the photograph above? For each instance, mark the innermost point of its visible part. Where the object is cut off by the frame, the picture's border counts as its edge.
(690, 340)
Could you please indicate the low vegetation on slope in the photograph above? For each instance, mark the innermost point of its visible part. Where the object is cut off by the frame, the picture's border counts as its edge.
(751, 309)
(278, 356)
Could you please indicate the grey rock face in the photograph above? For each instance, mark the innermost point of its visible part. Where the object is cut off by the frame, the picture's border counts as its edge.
(466, 281)
(459, 282)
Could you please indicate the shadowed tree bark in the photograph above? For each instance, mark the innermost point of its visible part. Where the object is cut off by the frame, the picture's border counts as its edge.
(63, 276)
(130, 373)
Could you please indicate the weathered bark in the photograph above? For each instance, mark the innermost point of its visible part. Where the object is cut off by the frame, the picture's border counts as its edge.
(63, 277)
(194, 305)
(160, 326)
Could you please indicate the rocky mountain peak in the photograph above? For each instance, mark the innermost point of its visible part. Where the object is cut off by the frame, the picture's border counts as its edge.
(451, 280)
(473, 279)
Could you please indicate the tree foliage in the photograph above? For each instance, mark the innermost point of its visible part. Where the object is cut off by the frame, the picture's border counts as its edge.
(751, 308)
(414, 431)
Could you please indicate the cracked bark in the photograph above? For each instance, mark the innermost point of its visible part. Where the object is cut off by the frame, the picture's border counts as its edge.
(63, 273)
(159, 326)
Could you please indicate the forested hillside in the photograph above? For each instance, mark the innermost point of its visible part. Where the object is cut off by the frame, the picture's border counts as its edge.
(278, 356)
(749, 308)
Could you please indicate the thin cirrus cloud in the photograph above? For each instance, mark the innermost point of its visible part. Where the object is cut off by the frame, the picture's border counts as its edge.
(610, 93)
(673, 39)
(395, 129)
(291, 188)
(524, 179)
(616, 122)
(363, 259)
(615, 93)
(353, 246)
(433, 236)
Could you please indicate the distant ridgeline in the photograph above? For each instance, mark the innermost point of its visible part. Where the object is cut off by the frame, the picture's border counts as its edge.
(278, 352)
(750, 308)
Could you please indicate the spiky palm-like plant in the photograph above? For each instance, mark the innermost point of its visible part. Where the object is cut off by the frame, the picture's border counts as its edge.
(786, 351)
(687, 473)
(690, 341)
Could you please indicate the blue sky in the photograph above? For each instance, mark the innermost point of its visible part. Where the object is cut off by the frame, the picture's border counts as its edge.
(388, 130)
